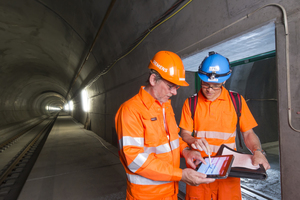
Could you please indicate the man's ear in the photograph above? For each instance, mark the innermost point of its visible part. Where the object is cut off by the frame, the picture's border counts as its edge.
(152, 80)
(224, 82)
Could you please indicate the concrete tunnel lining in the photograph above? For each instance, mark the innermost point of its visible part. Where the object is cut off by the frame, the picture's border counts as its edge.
(44, 43)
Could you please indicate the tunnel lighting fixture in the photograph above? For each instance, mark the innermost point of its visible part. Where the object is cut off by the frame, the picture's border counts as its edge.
(52, 108)
(71, 105)
(66, 107)
(85, 101)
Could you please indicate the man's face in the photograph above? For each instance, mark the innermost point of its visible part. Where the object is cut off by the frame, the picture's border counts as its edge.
(211, 90)
(163, 90)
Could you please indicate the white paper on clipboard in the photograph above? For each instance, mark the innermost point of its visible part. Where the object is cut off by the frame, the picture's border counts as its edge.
(240, 160)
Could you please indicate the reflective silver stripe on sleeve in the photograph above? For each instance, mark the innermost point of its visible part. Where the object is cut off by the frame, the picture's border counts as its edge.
(174, 144)
(131, 141)
(138, 162)
(141, 158)
(139, 180)
(164, 148)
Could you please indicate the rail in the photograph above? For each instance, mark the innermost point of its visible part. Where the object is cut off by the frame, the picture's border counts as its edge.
(27, 145)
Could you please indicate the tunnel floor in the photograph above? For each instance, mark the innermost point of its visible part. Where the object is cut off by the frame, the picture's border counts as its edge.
(75, 163)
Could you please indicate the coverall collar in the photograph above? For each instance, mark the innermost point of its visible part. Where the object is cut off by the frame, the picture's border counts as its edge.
(148, 100)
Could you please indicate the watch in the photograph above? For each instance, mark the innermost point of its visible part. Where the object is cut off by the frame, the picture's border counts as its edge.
(262, 151)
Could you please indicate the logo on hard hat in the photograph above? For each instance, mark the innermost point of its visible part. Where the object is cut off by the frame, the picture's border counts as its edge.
(214, 68)
(159, 66)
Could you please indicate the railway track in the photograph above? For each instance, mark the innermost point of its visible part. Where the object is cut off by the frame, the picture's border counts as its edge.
(252, 194)
(18, 154)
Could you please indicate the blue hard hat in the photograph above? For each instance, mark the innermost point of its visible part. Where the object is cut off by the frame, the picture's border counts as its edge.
(215, 68)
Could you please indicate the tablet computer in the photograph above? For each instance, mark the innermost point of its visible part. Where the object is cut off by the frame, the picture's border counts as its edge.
(219, 168)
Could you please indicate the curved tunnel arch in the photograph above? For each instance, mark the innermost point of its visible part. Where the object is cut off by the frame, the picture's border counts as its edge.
(28, 98)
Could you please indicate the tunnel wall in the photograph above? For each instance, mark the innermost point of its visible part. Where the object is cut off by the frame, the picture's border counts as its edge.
(257, 82)
(196, 28)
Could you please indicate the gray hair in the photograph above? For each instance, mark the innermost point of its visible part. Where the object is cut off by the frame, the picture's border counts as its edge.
(157, 75)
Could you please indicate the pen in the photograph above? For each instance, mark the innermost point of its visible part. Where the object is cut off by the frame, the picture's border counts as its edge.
(209, 159)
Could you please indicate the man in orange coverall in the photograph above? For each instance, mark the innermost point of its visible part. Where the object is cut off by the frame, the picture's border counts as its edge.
(149, 143)
(214, 124)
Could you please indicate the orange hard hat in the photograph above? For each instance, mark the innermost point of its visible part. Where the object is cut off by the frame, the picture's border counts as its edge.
(169, 66)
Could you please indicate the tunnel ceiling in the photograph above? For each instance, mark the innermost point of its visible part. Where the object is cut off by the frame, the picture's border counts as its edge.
(45, 45)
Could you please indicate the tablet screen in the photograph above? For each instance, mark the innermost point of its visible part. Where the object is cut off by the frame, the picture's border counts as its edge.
(218, 168)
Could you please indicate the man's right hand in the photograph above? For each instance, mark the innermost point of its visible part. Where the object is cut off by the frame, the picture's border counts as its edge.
(194, 178)
(195, 142)
(201, 144)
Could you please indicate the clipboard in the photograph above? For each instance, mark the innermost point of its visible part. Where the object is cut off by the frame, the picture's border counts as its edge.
(242, 166)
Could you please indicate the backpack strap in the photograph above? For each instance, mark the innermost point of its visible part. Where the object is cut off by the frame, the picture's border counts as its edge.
(237, 103)
(193, 103)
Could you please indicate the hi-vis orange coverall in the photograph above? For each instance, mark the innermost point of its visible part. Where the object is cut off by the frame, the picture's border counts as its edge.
(149, 150)
(216, 122)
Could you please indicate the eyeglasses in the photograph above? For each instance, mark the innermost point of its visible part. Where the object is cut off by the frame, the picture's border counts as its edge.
(171, 86)
(214, 87)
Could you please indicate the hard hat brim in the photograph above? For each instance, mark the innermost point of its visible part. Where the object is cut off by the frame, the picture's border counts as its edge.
(176, 82)
(182, 83)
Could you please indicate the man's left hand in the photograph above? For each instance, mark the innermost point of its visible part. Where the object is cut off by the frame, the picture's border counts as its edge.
(259, 158)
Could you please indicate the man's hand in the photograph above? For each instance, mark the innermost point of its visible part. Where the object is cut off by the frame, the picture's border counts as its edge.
(196, 143)
(202, 145)
(259, 158)
(192, 157)
(252, 142)
(194, 178)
